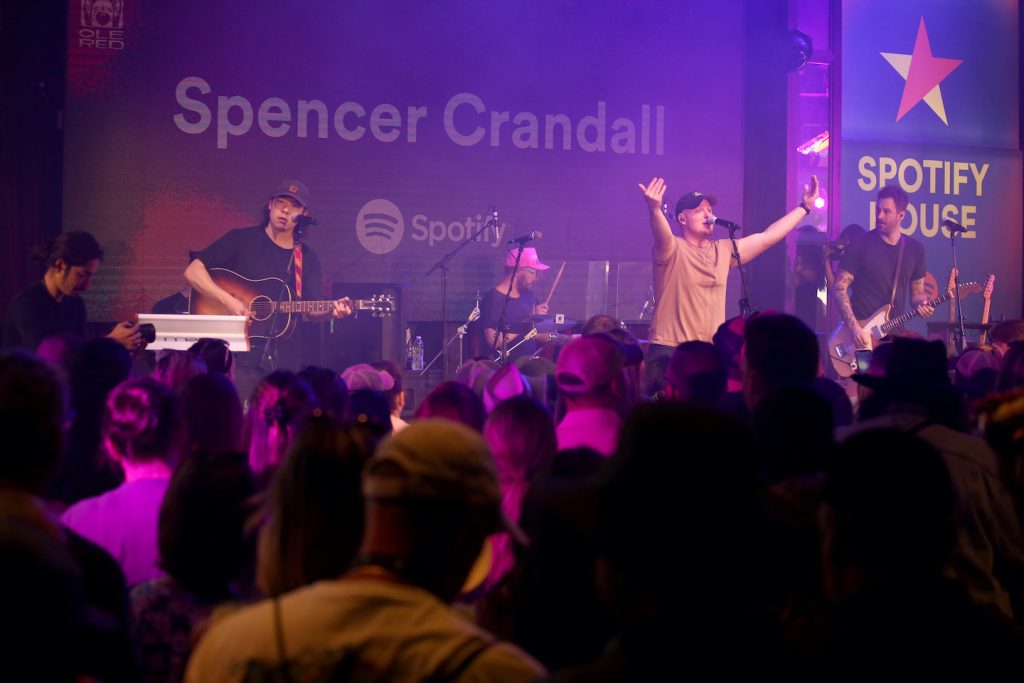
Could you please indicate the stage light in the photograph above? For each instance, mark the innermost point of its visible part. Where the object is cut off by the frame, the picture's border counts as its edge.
(819, 203)
(816, 145)
(798, 49)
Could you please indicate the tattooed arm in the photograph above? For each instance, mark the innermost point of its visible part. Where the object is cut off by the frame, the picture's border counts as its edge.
(841, 295)
(918, 298)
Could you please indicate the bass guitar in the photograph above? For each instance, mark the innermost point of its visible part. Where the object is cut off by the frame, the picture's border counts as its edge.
(842, 345)
(260, 299)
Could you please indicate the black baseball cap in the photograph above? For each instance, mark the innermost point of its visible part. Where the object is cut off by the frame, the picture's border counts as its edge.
(295, 189)
(692, 200)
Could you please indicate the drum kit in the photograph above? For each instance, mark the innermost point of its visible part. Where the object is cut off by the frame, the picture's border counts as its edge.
(560, 330)
(558, 326)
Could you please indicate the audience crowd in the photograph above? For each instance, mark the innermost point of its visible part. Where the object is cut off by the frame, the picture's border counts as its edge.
(725, 510)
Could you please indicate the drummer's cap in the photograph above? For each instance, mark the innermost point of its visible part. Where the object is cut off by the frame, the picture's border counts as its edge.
(591, 362)
(529, 259)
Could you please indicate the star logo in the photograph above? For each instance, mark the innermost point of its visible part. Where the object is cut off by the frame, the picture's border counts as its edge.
(922, 73)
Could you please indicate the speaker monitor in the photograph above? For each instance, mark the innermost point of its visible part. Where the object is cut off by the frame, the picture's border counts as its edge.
(362, 337)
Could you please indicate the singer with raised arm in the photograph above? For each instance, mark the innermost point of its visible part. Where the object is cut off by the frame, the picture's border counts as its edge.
(883, 266)
(271, 260)
(521, 308)
(690, 270)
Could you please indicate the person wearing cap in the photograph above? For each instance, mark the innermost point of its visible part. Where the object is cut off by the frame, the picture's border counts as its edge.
(586, 376)
(913, 393)
(384, 378)
(690, 270)
(265, 251)
(432, 498)
(522, 304)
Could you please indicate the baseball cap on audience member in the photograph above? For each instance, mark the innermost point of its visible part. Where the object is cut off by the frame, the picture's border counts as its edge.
(363, 376)
(476, 373)
(588, 363)
(440, 460)
(503, 384)
(295, 189)
(915, 365)
(529, 259)
(973, 361)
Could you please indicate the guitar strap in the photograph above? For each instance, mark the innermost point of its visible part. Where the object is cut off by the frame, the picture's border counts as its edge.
(298, 269)
(896, 277)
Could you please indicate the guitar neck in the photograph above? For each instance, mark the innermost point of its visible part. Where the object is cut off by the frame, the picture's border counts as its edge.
(324, 306)
(305, 306)
(983, 335)
(901, 320)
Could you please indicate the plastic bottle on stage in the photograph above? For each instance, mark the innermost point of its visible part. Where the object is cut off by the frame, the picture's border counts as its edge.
(416, 355)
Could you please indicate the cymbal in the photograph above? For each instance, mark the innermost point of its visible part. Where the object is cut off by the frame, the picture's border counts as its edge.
(546, 323)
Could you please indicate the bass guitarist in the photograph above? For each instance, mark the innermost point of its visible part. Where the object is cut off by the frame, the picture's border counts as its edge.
(270, 250)
(883, 265)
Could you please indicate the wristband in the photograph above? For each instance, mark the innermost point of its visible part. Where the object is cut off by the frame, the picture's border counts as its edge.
(805, 208)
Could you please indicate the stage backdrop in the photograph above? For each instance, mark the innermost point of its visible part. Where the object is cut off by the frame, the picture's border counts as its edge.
(409, 121)
(930, 102)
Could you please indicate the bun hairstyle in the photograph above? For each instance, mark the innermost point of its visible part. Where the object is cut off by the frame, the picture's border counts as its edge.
(278, 409)
(75, 248)
(142, 420)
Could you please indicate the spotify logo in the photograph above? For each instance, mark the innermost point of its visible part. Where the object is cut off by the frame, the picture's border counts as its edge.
(379, 226)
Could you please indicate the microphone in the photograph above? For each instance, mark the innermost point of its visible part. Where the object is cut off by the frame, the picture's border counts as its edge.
(535, 235)
(304, 220)
(715, 220)
(474, 315)
(953, 226)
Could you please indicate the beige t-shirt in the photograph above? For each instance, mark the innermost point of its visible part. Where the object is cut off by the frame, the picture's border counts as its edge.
(689, 287)
(372, 629)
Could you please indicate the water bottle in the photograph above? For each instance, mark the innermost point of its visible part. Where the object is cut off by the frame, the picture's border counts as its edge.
(417, 354)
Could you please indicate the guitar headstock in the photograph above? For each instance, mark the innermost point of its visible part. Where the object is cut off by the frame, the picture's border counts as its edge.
(990, 284)
(379, 305)
(969, 288)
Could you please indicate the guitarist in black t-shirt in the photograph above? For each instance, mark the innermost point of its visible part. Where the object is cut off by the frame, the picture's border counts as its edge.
(259, 254)
(871, 263)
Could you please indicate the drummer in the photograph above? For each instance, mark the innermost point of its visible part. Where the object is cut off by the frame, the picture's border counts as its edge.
(521, 309)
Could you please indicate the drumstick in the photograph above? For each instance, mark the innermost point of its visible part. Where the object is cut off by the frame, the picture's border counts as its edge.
(554, 284)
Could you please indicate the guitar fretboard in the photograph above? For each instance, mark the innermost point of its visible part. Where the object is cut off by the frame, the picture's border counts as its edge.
(325, 306)
(306, 306)
(901, 320)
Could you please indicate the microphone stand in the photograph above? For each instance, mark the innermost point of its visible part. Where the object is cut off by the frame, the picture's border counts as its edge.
(506, 349)
(649, 302)
(460, 332)
(503, 328)
(962, 345)
(746, 309)
(443, 266)
(271, 342)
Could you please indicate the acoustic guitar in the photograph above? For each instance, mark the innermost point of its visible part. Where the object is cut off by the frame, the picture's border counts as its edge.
(261, 300)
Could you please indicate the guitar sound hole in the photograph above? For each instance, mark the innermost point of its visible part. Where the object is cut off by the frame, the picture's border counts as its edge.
(261, 307)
